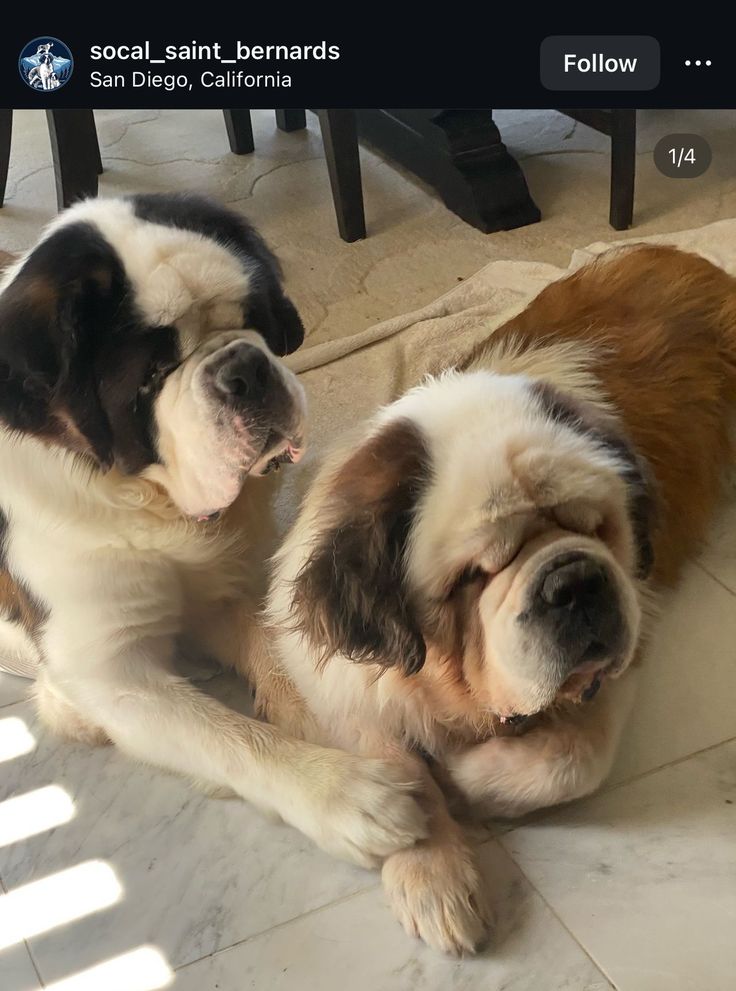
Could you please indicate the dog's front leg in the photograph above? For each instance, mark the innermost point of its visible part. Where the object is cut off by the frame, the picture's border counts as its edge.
(568, 755)
(238, 639)
(435, 887)
(110, 662)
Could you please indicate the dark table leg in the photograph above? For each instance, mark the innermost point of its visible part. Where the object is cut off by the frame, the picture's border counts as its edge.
(623, 168)
(6, 129)
(239, 131)
(291, 120)
(460, 154)
(73, 139)
(340, 138)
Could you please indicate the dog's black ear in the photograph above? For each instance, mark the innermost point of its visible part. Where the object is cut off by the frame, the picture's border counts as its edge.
(274, 316)
(268, 309)
(54, 317)
(351, 596)
(605, 430)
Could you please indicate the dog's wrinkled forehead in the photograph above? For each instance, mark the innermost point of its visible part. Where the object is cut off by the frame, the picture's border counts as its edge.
(504, 447)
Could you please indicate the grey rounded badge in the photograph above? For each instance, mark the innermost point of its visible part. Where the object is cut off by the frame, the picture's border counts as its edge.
(682, 156)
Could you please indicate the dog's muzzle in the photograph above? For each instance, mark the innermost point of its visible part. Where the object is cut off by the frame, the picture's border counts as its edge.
(575, 612)
(244, 377)
(253, 392)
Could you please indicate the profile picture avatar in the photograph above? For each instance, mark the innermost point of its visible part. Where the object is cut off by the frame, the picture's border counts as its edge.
(45, 64)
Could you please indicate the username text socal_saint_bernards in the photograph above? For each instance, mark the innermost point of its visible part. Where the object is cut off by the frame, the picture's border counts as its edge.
(214, 54)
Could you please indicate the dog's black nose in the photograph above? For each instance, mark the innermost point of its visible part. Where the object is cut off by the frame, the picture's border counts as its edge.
(578, 583)
(575, 607)
(245, 375)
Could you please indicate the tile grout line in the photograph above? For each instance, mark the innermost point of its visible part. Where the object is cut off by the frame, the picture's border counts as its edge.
(662, 767)
(279, 925)
(541, 814)
(599, 967)
(26, 944)
(6, 705)
(715, 578)
(41, 981)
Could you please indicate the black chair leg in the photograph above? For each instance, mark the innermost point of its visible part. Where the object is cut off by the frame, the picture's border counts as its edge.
(340, 138)
(92, 149)
(75, 163)
(239, 131)
(6, 129)
(291, 120)
(95, 142)
(623, 168)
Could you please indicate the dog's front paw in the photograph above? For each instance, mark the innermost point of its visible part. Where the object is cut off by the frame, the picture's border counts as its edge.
(500, 778)
(437, 894)
(507, 777)
(359, 809)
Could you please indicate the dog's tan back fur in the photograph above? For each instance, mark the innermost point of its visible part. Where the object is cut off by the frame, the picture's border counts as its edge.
(646, 318)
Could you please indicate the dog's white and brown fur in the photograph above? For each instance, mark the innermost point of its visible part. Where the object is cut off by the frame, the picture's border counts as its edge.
(44, 71)
(139, 396)
(471, 568)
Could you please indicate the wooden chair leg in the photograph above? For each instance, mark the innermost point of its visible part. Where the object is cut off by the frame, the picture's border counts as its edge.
(291, 120)
(340, 137)
(75, 164)
(239, 131)
(623, 168)
(6, 129)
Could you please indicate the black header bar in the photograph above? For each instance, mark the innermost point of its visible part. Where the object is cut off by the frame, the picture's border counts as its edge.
(451, 58)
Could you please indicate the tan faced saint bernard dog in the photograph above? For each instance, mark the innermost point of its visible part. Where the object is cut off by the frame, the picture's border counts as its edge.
(139, 397)
(471, 575)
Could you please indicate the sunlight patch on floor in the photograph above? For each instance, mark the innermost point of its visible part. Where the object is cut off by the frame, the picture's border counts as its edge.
(54, 900)
(15, 738)
(33, 813)
(142, 969)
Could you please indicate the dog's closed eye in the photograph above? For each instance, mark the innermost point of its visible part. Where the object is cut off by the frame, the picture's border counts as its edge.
(579, 516)
(473, 574)
(468, 575)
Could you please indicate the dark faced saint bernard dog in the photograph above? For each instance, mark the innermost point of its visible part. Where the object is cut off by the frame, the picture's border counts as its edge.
(140, 396)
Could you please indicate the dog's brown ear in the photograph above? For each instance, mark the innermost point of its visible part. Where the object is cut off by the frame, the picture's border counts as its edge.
(351, 596)
(606, 431)
(642, 503)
